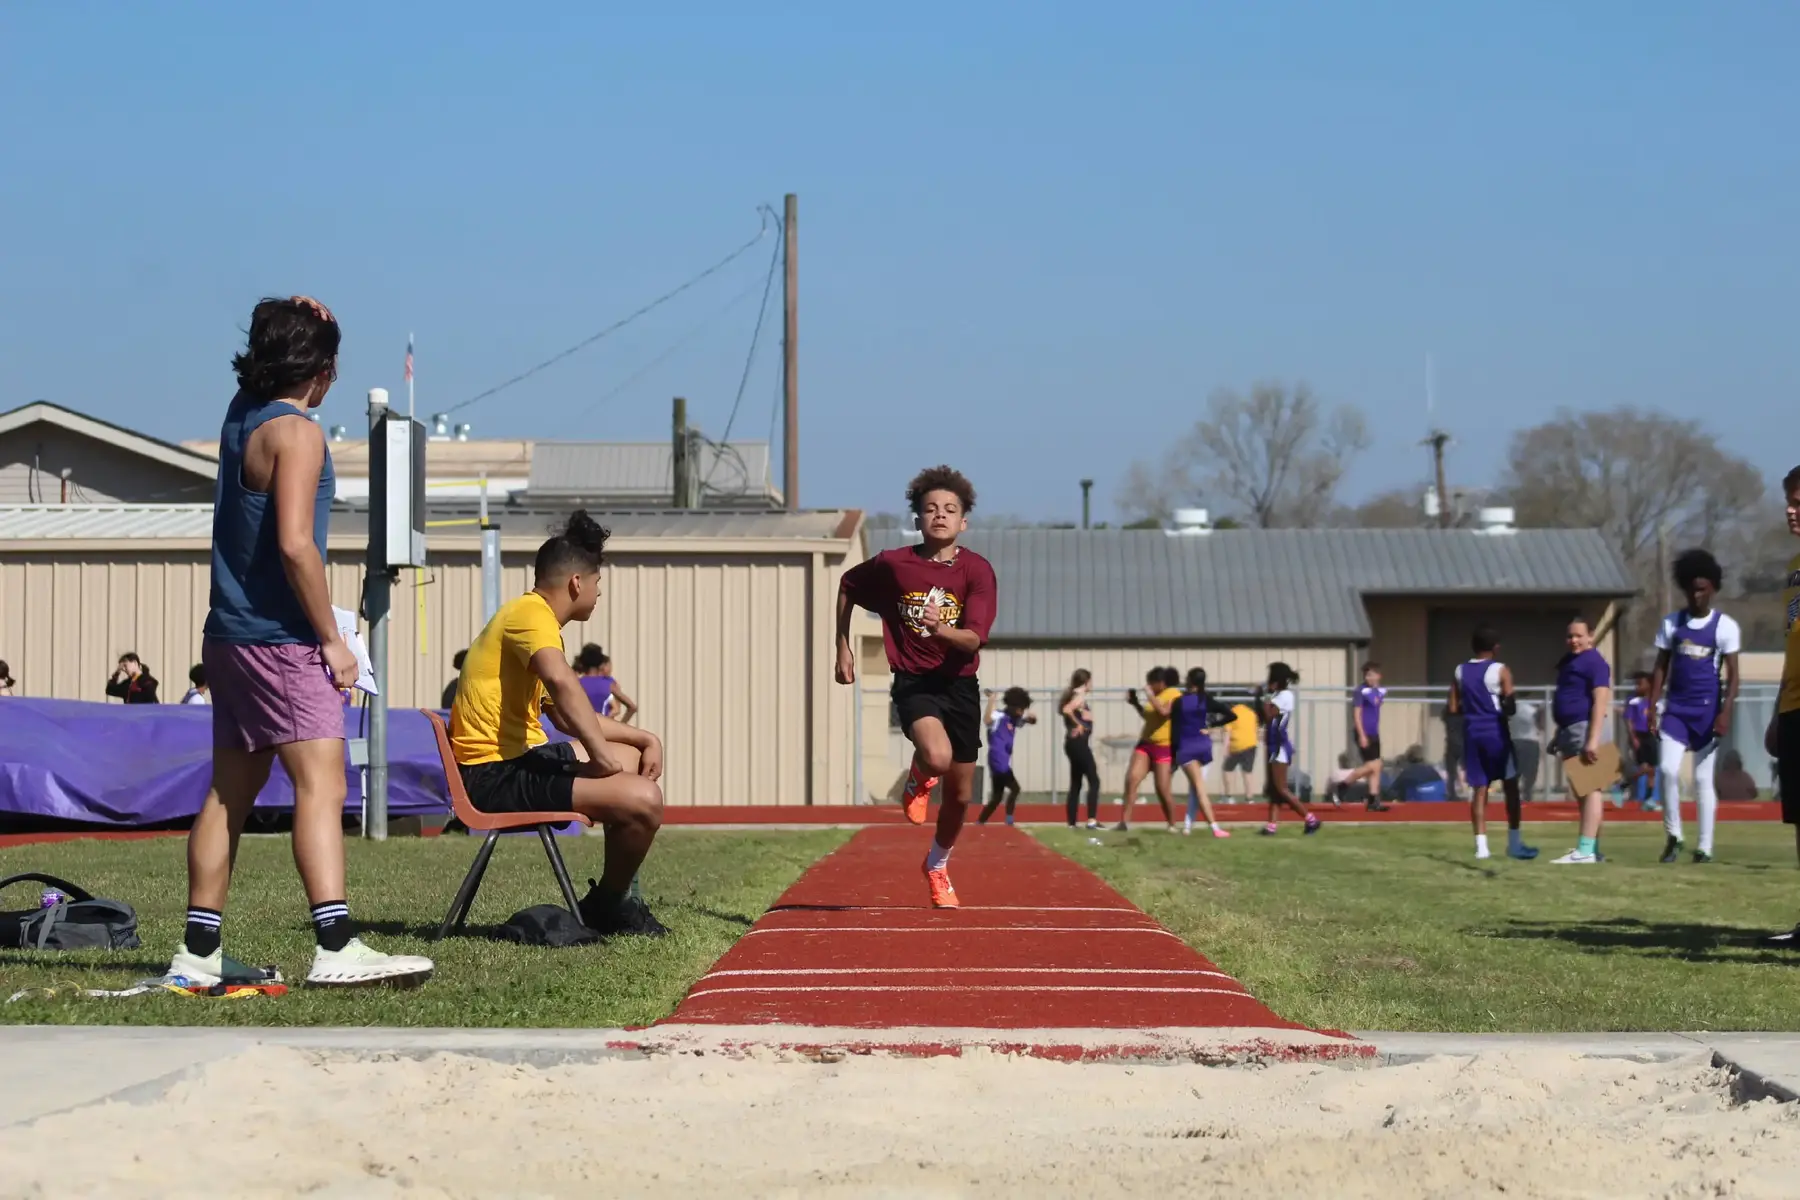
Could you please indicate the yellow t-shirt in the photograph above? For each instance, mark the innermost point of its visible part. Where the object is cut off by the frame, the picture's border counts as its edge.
(1240, 735)
(499, 698)
(1156, 725)
(1790, 663)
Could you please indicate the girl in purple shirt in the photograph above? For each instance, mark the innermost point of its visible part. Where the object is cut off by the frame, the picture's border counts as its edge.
(1003, 727)
(603, 691)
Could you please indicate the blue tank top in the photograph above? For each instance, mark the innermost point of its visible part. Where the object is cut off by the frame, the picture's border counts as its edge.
(1479, 681)
(252, 603)
(1188, 727)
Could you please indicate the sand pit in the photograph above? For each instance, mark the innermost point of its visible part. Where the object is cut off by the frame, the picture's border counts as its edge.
(280, 1121)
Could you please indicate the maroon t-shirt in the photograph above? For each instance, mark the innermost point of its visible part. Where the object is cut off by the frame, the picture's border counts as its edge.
(895, 584)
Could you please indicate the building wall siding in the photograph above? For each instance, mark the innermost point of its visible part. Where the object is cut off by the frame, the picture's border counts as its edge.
(717, 650)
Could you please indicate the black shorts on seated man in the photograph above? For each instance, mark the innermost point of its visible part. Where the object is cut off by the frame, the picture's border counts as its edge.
(515, 671)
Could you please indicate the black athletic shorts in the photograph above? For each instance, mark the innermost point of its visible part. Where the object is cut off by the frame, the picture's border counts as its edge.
(1372, 751)
(1646, 751)
(954, 700)
(1787, 741)
(540, 780)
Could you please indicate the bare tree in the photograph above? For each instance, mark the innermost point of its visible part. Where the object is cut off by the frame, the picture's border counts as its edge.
(1635, 474)
(1271, 458)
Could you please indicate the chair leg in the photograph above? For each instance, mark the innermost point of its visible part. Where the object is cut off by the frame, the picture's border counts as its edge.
(465, 895)
(548, 837)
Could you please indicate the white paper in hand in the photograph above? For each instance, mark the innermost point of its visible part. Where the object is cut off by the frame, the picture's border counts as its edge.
(365, 670)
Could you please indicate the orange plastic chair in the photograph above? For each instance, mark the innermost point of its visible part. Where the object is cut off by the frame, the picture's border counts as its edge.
(494, 824)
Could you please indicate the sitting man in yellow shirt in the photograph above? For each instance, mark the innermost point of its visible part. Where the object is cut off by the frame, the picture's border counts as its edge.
(505, 757)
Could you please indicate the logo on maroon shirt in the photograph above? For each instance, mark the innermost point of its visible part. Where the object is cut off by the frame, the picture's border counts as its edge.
(912, 609)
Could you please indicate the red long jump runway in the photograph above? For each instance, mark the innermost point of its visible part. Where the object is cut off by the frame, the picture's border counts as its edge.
(1040, 944)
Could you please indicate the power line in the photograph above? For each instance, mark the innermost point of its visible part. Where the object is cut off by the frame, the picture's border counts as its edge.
(667, 353)
(749, 359)
(765, 212)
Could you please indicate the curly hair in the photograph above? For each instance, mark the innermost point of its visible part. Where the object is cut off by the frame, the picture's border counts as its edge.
(290, 342)
(591, 658)
(940, 479)
(1016, 697)
(1691, 565)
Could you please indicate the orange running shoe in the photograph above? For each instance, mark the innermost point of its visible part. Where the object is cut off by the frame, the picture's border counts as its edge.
(943, 895)
(915, 800)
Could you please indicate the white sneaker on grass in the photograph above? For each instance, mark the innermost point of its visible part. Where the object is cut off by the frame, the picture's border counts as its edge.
(1575, 858)
(357, 965)
(203, 972)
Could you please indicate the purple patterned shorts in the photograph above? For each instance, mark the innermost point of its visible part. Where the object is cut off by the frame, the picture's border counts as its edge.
(268, 696)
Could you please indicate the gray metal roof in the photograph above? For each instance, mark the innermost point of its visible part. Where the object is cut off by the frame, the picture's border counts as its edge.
(1245, 584)
(644, 469)
(165, 522)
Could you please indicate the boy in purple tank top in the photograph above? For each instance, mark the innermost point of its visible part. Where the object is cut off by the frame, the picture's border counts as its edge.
(1482, 695)
(1696, 680)
(1003, 727)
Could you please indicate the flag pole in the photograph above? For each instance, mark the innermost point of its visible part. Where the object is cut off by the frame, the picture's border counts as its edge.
(409, 375)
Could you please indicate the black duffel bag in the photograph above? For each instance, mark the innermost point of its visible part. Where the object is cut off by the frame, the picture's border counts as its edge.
(77, 922)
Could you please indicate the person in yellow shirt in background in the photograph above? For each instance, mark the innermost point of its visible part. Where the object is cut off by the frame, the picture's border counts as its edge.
(1241, 737)
(1782, 739)
(1154, 753)
(515, 671)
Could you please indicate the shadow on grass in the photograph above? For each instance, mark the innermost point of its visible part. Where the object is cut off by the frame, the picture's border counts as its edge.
(1688, 941)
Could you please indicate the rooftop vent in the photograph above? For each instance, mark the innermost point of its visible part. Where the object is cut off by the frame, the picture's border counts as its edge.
(1185, 522)
(1495, 520)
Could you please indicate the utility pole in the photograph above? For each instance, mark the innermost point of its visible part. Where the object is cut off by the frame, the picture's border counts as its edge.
(1437, 440)
(681, 469)
(1087, 487)
(1662, 566)
(377, 594)
(790, 353)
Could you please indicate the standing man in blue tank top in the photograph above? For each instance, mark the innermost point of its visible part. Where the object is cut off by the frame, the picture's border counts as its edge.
(272, 651)
(1696, 679)
(1482, 694)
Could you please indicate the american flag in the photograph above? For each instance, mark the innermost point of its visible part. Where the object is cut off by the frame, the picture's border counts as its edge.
(409, 344)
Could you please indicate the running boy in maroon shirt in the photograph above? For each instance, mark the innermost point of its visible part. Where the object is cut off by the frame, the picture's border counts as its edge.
(936, 604)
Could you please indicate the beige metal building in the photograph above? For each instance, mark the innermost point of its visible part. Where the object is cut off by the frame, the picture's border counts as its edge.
(719, 624)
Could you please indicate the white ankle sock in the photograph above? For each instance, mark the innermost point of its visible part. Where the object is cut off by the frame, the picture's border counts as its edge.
(938, 857)
(1481, 846)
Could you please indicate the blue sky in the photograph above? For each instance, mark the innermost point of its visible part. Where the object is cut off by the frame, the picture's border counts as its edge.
(1034, 236)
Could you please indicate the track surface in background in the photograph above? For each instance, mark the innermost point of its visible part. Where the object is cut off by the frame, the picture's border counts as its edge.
(1040, 943)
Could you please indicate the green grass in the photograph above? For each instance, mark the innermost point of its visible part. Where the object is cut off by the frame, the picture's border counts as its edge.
(1398, 928)
(706, 886)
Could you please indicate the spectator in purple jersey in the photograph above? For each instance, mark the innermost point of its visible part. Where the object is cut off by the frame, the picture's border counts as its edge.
(1003, 727)
(1580, 708)
(594, 667)
(1696, 680)
(1366, 715)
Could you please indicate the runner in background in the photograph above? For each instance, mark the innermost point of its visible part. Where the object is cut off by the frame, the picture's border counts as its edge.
(936, 601)
(1278, 708)
(1580, 708)
(1482, 696)
(1153, 755)
(1078, 747)
(1782, 738)
(1646, 783)
(1193, 719)
(1696, 682)
(1003, 727)
(594, 668)
(1241, 737)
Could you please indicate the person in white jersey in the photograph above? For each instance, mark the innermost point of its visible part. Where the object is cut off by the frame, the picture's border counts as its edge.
(1693, 690)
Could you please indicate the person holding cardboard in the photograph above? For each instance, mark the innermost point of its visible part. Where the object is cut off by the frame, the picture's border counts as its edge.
(1579, 707)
